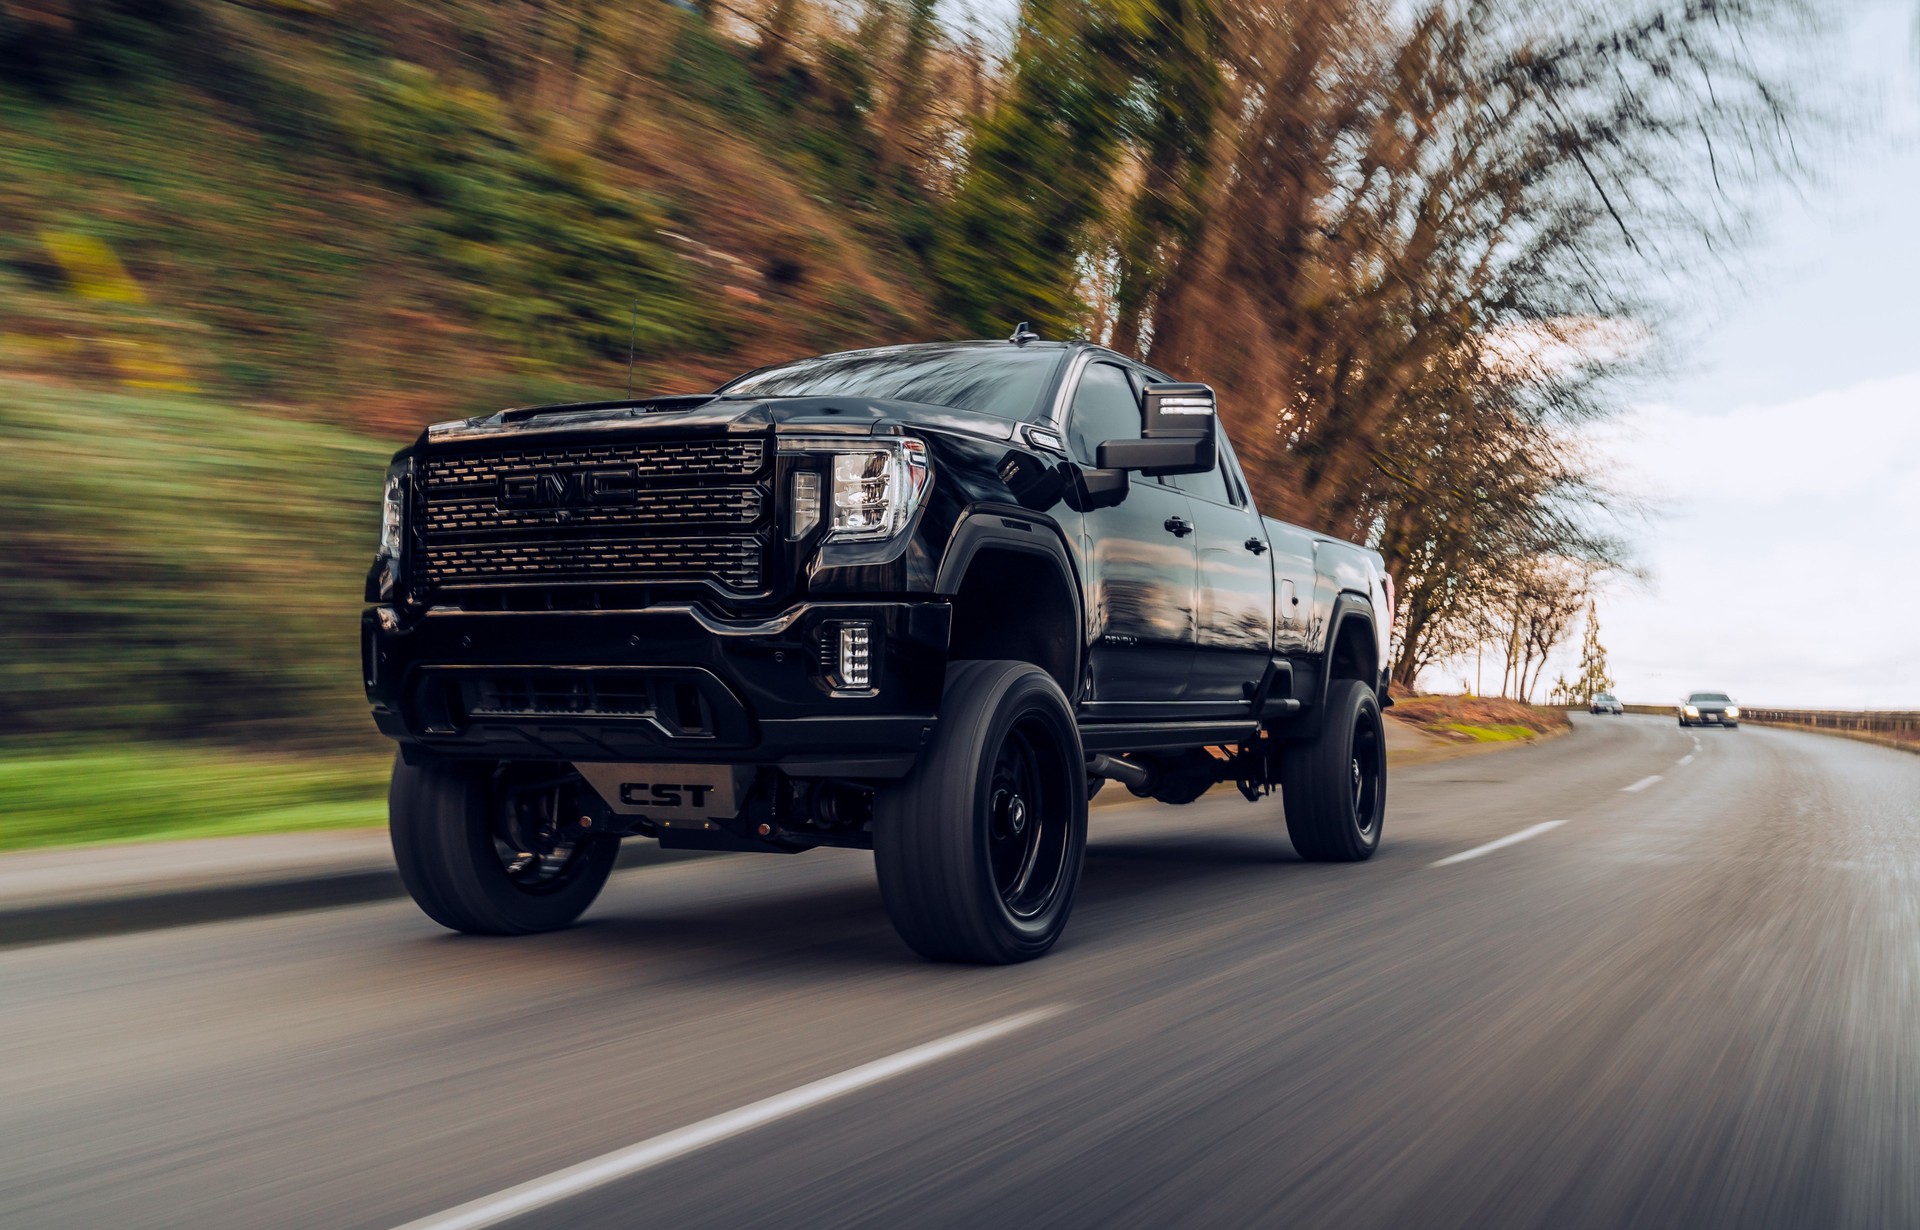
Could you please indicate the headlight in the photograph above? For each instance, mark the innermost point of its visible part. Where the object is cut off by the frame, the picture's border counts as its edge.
(1692, 711)
(383, 581)
(1733, 711)
(873, 488)
(393, 513)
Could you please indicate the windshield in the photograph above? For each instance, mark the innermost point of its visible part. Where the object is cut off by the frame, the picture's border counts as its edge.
(1604, 696)
(1710, 697)
(1002, 381)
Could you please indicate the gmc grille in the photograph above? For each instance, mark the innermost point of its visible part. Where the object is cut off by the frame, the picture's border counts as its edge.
(654, 512)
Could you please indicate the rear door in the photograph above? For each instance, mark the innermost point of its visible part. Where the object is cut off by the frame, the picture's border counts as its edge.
(1234, 583)
(1293, 583)
(1138, 556)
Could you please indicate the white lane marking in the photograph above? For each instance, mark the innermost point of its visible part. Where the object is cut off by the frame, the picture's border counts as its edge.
(561, 1184)
(1491, 846)
(1686, 759)
(1640, 785)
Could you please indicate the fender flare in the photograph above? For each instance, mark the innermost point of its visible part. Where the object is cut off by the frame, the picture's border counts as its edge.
(1004, 529)
(1348, 605)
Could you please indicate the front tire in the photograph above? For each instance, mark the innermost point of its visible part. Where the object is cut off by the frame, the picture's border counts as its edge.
(1335, 788)
(979, 849)
(480, 856)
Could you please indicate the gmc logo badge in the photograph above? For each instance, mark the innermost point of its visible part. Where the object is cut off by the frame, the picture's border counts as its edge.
(567, 488)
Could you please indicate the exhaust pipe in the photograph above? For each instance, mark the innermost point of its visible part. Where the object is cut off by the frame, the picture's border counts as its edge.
(1134, 777)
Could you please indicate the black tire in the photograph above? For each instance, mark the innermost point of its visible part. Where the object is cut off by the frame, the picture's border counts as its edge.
(444, 819)
(979, 849)
(1335, 788)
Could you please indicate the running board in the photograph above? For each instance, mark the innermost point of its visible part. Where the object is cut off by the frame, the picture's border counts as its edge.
(1152, 736)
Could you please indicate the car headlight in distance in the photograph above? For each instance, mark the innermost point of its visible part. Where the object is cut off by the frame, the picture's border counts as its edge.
(873, 487)
(1733, 711)
(1693, 711)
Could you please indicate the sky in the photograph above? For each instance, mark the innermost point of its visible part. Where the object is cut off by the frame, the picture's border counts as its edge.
(1781, 464)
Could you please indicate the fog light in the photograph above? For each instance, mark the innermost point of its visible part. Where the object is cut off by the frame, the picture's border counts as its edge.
(855, 673)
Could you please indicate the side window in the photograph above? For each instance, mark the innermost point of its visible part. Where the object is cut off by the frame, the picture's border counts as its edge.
(1104, 408)
(1209, 486)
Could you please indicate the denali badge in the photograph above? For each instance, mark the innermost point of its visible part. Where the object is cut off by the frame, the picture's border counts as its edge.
(567, 488)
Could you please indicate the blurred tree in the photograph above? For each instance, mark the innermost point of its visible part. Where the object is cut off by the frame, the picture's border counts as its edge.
(1593, 678)
(1544, 593)
(1180, 96)
(908, 92)
(1015, 233)
(1092, 89)
(777, 35)
(1441, 237)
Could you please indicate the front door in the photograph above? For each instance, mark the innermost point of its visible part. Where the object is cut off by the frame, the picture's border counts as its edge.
(1234, 637)
(1139, 557)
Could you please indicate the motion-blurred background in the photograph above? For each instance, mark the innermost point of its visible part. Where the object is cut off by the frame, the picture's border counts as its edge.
(248, 247)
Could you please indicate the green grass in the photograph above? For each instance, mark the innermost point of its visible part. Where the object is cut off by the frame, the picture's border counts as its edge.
(1490, 734)
(156, 793)
(178, 569)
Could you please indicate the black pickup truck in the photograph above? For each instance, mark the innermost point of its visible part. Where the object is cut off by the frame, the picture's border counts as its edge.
(924, 600)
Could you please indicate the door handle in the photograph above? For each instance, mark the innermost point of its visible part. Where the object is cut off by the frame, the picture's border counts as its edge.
(1179, 527)
(1256, 546)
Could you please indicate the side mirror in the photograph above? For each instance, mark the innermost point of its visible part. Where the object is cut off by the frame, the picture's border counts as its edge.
(1179, 434)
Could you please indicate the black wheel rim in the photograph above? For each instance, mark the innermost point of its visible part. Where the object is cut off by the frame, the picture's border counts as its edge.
(531, 840)
(1365, 769)
(1029, 817)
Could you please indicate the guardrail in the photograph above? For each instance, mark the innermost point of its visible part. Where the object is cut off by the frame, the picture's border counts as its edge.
(1897, 727)
(1893, 725)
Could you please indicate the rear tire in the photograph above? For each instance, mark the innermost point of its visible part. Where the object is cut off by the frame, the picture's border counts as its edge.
(1335, 788)
(460, 861)
(978, 850)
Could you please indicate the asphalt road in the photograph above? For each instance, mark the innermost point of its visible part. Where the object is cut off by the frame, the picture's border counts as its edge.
(1691, 1004)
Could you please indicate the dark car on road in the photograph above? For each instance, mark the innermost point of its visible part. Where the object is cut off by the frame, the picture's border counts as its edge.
(921, 600)
(1709, 709)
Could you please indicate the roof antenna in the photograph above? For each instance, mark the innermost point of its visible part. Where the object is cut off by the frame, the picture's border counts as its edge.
(633, 336)
(1022, 335)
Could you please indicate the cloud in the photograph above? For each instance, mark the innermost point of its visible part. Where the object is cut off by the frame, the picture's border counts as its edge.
(1784, 560)
(1860, 442)
(1784, 566)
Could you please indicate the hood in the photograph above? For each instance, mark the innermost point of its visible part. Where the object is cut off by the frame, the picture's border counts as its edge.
(711, 413)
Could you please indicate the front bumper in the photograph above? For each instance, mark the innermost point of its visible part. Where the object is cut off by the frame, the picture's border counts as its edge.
(672, 684)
